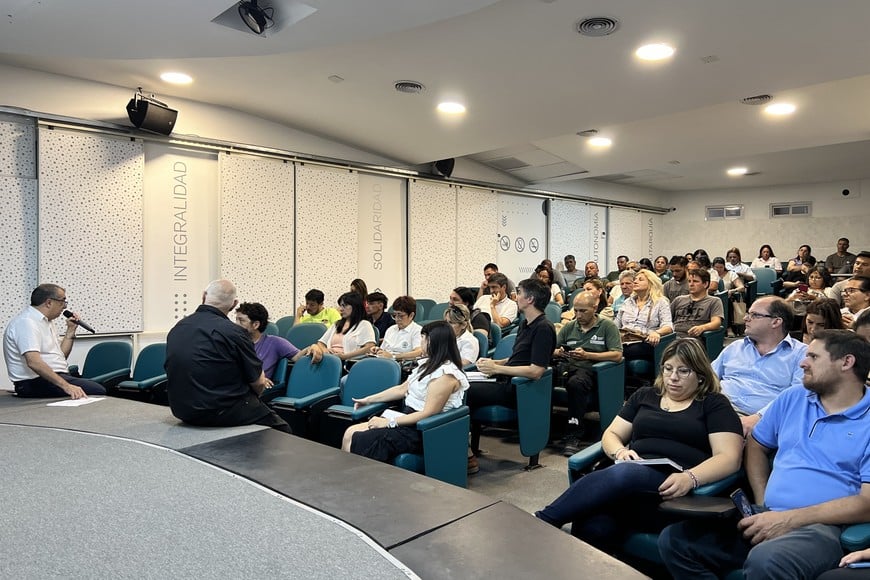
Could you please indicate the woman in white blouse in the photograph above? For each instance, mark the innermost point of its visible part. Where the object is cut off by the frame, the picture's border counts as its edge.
(352, 335)
(458, 317)
(646, 313)
(766, 259)
(545, 275)
(437, 385)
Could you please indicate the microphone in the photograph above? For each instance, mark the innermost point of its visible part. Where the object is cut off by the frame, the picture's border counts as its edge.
(81, 323)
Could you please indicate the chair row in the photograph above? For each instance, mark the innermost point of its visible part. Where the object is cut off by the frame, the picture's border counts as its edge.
(108, 363)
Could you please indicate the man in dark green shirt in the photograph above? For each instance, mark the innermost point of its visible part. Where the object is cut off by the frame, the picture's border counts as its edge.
(586, 340)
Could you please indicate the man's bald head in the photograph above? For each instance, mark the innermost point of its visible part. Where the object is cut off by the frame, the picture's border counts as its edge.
(585, 299)
(221, 294)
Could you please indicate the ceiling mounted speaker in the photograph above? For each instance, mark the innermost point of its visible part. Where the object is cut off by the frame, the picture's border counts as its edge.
(257, 18)
(151, 116)
(444, 167)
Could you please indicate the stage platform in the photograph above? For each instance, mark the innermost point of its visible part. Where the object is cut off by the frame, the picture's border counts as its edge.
(121, 489)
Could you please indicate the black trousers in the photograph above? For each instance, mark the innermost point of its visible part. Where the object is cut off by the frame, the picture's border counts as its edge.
(39, 387)
(247, 411)
(581, 392)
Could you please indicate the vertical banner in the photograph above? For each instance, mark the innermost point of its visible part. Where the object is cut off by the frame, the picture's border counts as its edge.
(382, 234)
(626, 234)
(597, 244)
(181, 232)
(522, 235)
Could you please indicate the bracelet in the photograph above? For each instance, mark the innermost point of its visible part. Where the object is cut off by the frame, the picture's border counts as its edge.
(695, 482)
(615, 453)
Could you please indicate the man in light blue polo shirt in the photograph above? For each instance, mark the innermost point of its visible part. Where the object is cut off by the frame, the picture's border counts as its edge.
(755, 370)
(819, 482)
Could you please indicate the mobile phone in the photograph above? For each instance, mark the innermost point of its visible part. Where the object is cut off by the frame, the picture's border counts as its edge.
(858, 565)
(738, 496)
(803, 287)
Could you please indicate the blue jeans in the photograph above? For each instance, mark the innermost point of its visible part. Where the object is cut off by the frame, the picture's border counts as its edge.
(602, 503)
(699, 549)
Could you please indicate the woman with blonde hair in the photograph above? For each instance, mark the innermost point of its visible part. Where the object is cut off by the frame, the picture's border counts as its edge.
(684, 417)
(459, 319)
(644, 317)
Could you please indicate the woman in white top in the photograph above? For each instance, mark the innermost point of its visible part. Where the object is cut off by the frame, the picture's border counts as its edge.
(766, 259)
(731, 281)
(646, 312)
(352, 335)
(402, 340)
(437, 385)
(545, 275)
(458, 317)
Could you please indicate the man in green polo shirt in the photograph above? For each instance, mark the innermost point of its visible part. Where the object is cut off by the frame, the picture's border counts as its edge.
(586, 340)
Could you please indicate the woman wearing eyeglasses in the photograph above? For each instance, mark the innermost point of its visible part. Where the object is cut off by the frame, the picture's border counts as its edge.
(435, 386)
(458, 317)
(352, 335)
(402, 340)
(685, 418)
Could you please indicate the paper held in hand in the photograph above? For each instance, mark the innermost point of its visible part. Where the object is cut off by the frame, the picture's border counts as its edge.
(663, 461)
(391, 414)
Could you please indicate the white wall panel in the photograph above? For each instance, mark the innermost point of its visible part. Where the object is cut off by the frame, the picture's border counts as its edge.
(522, 229)
(477, 234)
(327, 201)
(569, 231)
(625, 235)
(257, 230)
(17, 148)
(382, 238)
(652, 234)
(90, 225)
(432, 239)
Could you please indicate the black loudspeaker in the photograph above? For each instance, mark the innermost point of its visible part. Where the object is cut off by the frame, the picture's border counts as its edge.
(151, 116)
(444, 167)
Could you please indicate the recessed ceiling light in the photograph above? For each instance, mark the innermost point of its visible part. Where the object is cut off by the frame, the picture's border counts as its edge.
(780, 109)
(599, 142)
(737, 171)
(451, 108)
(654, 52)
(176, 78)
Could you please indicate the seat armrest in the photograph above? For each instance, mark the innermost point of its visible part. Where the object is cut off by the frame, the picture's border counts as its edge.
(856, 537)
(152, 382)
(694, 506)
(442, 418)
(73, 370)
(309, 400)
(584, 460)
(720, 486)
(357, 415)
(111, 376)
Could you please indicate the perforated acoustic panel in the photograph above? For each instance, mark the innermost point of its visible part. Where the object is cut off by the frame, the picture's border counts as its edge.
(569, 231)
(625, 236)
(256, 235)
(90, 225)
(477, 234)
(433, 240)
(17, 148)
(326, 231)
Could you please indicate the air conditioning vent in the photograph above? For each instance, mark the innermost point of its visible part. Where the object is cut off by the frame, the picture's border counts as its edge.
(409, 87)
(795, 209)
(723, 212)
(598, 26)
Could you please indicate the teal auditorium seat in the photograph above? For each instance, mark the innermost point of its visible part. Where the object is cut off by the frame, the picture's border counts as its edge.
(494, 338)
(284, 324)
(366, 377)
(445, 448)
(107, 363)
(505, 347)
(764, 278)
(279, 381)
(148, 373)
(531, 417)
(610, 383)
(306, 383)
(482, 344)
(569, 301)
(751, 292)
(553, 312)
(272, 328)
(714, 340)
(436, 311)
(424, 307)
(304, 335)
(642, 367)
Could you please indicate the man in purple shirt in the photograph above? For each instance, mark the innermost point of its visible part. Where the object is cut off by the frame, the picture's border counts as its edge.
(253, 317)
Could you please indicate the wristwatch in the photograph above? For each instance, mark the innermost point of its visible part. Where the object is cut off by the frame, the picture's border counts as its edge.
(392, 423)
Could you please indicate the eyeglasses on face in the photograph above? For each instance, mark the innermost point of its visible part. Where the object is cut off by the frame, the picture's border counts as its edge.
(398, 315)
(848, 291)
(757, 315)
(57, 299)
(682, 372)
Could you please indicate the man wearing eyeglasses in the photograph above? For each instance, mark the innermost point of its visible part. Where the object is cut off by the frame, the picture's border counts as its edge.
(36, 359)
(856, 295)
(755, 370)
(695, 314)
(861, 267)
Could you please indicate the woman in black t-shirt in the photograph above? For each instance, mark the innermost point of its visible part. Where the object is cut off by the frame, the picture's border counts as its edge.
(684, 418)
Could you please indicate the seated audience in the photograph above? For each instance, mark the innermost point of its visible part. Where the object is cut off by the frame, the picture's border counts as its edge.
(359, 286)
(702, 260)
(819, 480)
(731, 282)
(821, 314)
(501, 309)
(596, 287)
(861, 267)
(570, 273)
(684, 418)
(736, 265)
(754, 370)
(660, 267)
(698, 312)
(588, 339)
(646, 264)
(402, 340)
(798, 268)
(479, 320)
(840, 262)
(457, 316)
(590, 272)
(545, 275)
(376, 312)
(253, 317)
(314, 311)
(485, 288)
(678, 285)
(435, 386)
(856, 296)
(626, 287)
(352, 335)
(214, 376)
(557, 275)
(766, 259)
(36, 360)
(861, 326)
(647, 314)
(817, 281)
(613, 277)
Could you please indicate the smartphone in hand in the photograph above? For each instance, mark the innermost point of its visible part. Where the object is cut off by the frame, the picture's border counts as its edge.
(740, 500)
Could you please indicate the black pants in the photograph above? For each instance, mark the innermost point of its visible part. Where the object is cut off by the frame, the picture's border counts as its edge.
(247, 411)
(581, 392)
(39, 387)
(500, 392)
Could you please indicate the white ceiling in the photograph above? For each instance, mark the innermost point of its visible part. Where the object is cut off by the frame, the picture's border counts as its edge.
(529, 81)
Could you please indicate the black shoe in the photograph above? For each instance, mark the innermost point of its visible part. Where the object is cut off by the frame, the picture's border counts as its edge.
(573, 444)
